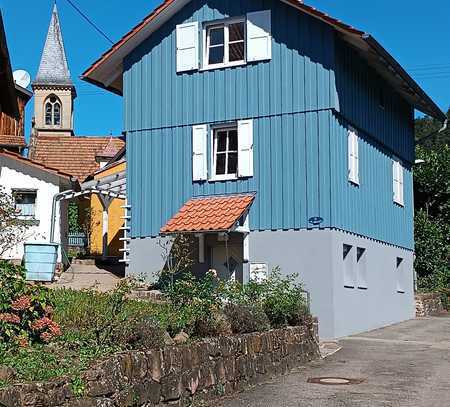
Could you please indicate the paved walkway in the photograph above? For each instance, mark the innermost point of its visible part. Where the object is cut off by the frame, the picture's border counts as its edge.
(83, 276)
(405, 365)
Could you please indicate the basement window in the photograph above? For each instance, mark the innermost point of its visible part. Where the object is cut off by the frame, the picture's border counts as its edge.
(349, 270)
(400, 271)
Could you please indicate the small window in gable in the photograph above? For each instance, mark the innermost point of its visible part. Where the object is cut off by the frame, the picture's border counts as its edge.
(224, 44)
(381, 98)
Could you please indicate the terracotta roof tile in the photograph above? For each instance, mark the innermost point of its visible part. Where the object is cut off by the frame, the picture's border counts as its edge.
(12, 140)
(74, 155)
(32, 163)
(212, 213)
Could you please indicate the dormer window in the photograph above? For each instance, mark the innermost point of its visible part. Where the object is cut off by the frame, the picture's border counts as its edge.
(225, 44)
(53, 111)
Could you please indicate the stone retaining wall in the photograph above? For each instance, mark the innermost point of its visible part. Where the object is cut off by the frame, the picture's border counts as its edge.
(428, 304)
(177, 375)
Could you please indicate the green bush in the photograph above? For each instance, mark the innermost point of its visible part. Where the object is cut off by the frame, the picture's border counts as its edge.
(432, 253)
(25, 311)
(246, 318)
(281, 298)
(194, 304)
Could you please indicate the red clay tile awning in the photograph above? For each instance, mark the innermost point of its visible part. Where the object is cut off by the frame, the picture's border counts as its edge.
(209, 214)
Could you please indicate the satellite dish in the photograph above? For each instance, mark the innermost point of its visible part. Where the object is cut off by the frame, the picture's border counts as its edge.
(22, 78)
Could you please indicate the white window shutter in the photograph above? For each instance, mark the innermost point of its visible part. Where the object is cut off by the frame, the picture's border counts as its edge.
(353, 157)
(397, 176)
(259, 36)
(199, 152)
(187, 47)
(400, 184)
(245, 148)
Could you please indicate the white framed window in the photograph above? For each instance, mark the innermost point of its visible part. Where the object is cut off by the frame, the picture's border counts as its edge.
(224, 153)
(25, 202)
(348, 254)
(224, 44)
(397, 181)
(353, 156)
(400, 271)
(361, 264)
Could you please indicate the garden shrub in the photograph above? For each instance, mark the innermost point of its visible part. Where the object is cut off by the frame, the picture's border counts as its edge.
(25, 311)
(141, 332)
(281, 298)
(246, 318)
(195, 303)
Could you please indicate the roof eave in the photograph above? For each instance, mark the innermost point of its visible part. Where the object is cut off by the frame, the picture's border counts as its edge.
(429, 107)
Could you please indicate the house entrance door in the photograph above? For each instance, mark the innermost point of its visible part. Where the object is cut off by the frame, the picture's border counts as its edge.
(227, 261)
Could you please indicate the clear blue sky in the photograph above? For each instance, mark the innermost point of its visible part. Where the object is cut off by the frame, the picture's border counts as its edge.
(415, 32)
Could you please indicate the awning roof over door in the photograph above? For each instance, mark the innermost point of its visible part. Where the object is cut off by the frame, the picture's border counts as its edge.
(216, 213)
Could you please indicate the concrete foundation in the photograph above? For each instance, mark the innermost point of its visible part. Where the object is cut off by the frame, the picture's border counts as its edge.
(356, 284)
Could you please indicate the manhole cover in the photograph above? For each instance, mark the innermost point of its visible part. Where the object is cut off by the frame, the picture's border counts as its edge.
(334, 381)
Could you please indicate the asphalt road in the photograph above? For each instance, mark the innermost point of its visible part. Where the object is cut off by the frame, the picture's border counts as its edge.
(403, 365)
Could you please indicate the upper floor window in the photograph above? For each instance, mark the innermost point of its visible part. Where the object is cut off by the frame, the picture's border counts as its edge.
(25, 201)
(224, 44)
(230, 42)
(225, 153)
(231, 151)
(353, 156)
(397, 178)
(53, 111)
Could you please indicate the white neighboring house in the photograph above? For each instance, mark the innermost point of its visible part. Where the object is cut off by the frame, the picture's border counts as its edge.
(34, 185)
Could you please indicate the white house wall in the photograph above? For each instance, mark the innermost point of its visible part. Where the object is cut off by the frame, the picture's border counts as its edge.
(16, 175)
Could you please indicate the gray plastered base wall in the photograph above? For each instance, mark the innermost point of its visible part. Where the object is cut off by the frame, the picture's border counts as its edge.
(317, 257)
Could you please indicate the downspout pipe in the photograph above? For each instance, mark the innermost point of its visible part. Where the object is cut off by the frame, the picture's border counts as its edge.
(56, 198)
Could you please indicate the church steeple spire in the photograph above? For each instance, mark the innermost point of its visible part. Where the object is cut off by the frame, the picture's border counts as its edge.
(53, 69)
(54, 91)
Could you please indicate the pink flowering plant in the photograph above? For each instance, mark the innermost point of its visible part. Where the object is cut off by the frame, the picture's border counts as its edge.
(25, 311)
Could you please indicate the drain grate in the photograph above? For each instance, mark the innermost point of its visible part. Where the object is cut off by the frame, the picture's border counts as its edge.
(334, 381)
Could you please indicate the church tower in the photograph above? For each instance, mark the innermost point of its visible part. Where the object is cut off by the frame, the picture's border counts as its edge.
(54, 92)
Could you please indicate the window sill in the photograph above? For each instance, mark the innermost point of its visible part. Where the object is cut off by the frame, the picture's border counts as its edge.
(223, 178)
(352, 287)
(362, 288)
(353, 182)
(400, 292)
(400, 204)
(222, 66)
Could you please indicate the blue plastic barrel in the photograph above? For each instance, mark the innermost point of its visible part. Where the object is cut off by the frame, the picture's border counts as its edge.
(40, 261)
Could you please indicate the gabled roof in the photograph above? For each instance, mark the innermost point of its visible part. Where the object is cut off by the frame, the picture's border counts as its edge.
(107, 71)
(73, 155)
(218, 213)
(53, 69)
(31, 163)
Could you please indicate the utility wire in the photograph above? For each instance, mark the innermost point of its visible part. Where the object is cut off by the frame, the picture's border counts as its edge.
(77, 9)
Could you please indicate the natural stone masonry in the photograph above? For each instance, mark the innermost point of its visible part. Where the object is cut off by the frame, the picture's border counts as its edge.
(174, 376)
(428, 304)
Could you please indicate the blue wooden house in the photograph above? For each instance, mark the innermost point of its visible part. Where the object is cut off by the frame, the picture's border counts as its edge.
(276, 136)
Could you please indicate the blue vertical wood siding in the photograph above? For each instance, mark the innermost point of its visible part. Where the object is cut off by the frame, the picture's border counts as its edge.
(358, 88)
(299, 78)
(288, 158)
(302, 102)
(369, 209)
